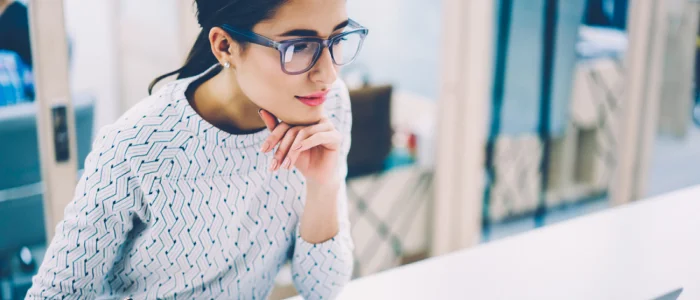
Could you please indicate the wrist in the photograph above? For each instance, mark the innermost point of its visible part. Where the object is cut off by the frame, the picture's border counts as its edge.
(320, 190)
(325, 182)
(319, 221)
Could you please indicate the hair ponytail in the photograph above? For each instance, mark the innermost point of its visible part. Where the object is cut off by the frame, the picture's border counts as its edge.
(198, 60)
(243, 14)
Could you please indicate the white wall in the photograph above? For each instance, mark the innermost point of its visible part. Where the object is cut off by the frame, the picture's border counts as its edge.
(93, 67)
(403, 45)
(118, 47)
(150, 44)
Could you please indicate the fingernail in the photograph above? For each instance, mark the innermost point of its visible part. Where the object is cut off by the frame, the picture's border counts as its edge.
(287, 163)
(265, 147)
(273, 166)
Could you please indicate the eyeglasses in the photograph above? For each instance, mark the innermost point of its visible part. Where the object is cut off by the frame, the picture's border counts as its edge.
(298, 56)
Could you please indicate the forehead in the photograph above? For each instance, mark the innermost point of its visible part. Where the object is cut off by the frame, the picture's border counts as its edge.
(319, 15)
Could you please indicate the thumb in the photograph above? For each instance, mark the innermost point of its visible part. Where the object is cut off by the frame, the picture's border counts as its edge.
(269, 119)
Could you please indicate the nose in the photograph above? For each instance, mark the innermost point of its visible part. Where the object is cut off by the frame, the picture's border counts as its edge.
(324, 72)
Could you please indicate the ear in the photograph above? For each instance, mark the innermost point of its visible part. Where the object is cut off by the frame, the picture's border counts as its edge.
(224, 48)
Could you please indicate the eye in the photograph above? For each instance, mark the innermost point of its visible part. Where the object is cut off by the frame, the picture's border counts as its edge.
(298, 48)
(338, 40)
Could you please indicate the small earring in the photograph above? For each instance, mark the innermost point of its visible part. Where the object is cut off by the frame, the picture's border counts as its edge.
(227, 65)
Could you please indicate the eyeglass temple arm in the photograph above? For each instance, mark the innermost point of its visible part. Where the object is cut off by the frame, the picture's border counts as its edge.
(354, 23)
(253, 37)
(357, 26)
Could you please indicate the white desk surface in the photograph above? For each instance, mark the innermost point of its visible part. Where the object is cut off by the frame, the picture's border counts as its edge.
(637, 251)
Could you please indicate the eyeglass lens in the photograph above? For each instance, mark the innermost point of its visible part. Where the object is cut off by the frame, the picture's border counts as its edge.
(300, 56)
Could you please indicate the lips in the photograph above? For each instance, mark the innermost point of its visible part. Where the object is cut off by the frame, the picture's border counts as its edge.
(314, 99)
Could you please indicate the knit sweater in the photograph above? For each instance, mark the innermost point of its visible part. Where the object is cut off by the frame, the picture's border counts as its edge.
(170, 207)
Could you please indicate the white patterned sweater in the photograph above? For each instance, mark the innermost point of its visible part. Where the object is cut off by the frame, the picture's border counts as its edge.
(170, 207)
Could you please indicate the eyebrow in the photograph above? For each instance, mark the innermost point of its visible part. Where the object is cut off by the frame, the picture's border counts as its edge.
(313, 33)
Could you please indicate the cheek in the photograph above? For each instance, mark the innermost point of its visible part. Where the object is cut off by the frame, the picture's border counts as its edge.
(259, 78)
(262, 80)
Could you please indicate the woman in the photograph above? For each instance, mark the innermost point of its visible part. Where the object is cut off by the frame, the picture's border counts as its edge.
(206, 188)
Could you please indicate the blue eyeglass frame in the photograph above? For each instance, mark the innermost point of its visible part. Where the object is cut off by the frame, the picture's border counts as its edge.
(282, 46)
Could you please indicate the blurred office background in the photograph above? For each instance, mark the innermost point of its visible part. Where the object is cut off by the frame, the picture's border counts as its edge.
(467, 129)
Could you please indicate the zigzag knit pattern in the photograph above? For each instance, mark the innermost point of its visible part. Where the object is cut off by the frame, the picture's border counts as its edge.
(170, 207)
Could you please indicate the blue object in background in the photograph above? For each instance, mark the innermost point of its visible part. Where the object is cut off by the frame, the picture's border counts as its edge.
(16, 80)
(21, 206)
(522, 81)
(21, 190)
(408, 55)
(606, 13)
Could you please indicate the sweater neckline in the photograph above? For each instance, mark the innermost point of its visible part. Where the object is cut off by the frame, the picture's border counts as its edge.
(201, 127)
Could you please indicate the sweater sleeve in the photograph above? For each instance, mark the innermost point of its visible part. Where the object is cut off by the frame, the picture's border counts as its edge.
(96, 223)
(320, 271)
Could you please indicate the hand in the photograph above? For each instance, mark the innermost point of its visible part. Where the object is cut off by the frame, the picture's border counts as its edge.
(313, 149)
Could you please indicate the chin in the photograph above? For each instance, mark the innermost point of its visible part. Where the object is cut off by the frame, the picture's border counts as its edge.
(305, 118)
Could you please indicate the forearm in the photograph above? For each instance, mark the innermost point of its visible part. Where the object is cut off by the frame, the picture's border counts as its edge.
(322, 261)
(319, 222)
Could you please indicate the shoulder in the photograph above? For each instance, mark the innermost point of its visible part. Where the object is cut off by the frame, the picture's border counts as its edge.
(338, 107)
(339, 111)
(136, 126)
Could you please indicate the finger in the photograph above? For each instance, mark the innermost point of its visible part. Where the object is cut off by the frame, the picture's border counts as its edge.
(303, 135)
(328, 139)
(309, 131)
(280, 159)
(275, 137)
(269, 119)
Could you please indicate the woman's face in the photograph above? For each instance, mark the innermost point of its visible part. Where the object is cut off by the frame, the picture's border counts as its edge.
(260, 76)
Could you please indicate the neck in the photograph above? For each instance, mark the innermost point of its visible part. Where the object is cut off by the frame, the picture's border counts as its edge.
(221, 102)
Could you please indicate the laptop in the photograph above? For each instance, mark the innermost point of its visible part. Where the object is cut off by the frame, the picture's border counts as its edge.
(672, 295)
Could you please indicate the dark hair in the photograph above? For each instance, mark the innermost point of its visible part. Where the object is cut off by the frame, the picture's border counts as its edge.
(243, 14)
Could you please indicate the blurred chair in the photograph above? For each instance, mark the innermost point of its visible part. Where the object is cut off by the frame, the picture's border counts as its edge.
(371, 129)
